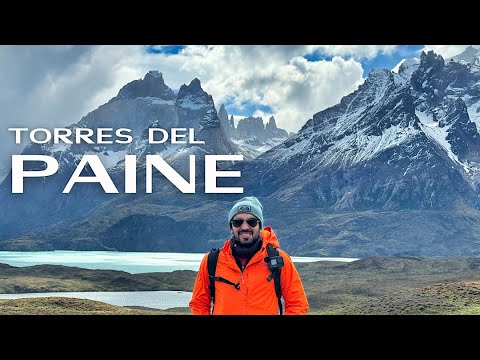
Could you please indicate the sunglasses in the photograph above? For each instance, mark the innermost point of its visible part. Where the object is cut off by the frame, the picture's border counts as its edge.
(238, 222)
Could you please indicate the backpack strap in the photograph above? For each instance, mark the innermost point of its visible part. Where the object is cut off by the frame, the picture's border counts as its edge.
(212, 266)
(275, 264)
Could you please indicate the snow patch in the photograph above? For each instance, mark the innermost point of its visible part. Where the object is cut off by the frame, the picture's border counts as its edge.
(60, 147)
(360, 147)
(157, 101)
(439, 135)
(474, 112)
(155, 73)
(189, 102)
(170, 150)
(403, 71)
(397, 67)
(108, 158)
(267, 145)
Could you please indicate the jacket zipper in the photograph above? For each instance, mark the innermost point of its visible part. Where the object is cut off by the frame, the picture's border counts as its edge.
(242, 290)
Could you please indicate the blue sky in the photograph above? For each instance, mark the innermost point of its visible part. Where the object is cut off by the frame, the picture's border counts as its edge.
(380, 61)
(167, 49)
(389, 61)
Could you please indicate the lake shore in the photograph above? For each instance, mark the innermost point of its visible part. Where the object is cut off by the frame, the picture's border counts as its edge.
(376, 286)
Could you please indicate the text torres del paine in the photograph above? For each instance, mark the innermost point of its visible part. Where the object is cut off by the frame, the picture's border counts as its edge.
(122, 136)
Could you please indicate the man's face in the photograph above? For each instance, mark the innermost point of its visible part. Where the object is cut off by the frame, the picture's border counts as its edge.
(245, 234)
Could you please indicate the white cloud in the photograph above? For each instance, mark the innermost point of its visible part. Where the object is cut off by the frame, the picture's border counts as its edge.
(275, 76)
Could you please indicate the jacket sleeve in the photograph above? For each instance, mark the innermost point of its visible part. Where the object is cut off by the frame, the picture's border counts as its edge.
(293, 293)
(200, 304)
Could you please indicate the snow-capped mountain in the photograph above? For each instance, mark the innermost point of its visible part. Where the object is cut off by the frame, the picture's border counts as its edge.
(139, 105)
(403, 140)
(469, 55)
(251, 133)
(393, 169)
(3, 173)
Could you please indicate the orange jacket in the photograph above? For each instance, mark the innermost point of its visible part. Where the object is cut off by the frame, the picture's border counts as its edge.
(256, 295)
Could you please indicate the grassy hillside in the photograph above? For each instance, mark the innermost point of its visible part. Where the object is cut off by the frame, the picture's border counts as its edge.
(46, 278)
(70, 306)
(393, 285)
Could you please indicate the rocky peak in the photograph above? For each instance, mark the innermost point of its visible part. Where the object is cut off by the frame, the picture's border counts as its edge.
(476, 59)
(222, 114)
(407, 67)
(192, 96)
(468, 55)
(155, 74)
(196, 107)
(272, 124)
(194, 86)
(377, 75)
(228, 128)
(250, 125)
(425, 79)
(462, 134)
(377, 82)
(253, 131)
(152, 85)
(432, 61)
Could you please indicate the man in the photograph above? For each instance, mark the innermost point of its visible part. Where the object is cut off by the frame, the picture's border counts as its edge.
(243, 279)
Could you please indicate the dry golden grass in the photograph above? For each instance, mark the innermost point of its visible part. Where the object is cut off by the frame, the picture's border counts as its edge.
(71, 306)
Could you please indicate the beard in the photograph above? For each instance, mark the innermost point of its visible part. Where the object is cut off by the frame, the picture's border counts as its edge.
(245, 250)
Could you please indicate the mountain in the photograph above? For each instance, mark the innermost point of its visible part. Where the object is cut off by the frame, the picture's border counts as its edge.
(392, 144)
(140, 105)
(392, 169)
(403, 143)
(401, 152)
(227, 125)
(251, 133)
(469, 55)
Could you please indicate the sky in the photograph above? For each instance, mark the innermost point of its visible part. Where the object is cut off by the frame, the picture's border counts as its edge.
(47, 86)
